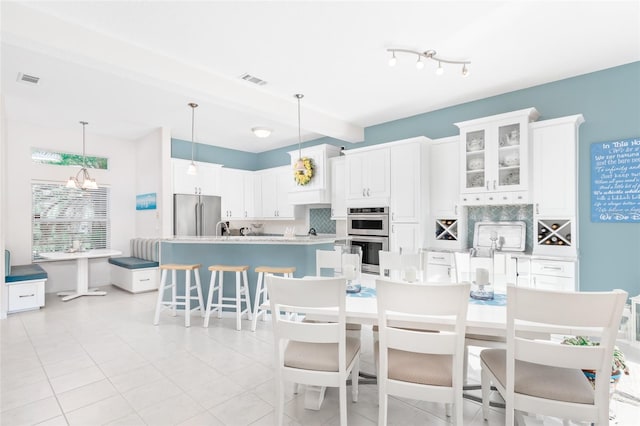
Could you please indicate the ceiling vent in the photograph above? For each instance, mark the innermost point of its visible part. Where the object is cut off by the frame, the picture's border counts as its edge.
(253, 79)
(28, 79)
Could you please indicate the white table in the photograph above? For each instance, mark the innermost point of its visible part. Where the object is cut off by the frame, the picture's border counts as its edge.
(82, 273)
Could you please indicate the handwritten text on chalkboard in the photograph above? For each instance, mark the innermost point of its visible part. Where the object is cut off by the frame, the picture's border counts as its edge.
(615, 181)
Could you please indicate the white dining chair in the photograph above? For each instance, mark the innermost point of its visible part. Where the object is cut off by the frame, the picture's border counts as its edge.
(541, 375)
(312, 353)
(421, 329)
(328, 259)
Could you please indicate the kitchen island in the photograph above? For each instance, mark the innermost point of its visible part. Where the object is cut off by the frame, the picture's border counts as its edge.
(250, 250)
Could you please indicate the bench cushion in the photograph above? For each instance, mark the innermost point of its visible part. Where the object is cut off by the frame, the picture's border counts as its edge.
(26, 273)
(133, 262)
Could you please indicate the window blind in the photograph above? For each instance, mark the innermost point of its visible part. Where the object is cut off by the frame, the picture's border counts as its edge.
(62, 215)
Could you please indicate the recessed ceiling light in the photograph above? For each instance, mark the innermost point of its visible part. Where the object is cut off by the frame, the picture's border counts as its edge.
(261, 132)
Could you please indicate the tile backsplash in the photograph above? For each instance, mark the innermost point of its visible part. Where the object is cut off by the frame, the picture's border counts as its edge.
(506, 213)
(320, 219)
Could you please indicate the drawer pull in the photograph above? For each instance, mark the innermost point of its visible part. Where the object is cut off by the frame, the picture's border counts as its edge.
(438, 257)
(146, 279)
(27, 295)
(552, 268)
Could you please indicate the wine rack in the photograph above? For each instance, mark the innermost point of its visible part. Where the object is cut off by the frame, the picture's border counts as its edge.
(554, 232)
(447, 229)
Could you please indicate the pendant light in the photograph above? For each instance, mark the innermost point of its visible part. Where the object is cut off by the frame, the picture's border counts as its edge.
(192, 170)
(299, 167)
(82, 180)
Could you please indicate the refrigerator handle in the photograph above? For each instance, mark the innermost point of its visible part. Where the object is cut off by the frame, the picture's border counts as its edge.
(197, 214)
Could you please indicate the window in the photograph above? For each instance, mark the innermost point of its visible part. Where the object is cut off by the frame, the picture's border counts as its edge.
(42, 156)
(62, 215)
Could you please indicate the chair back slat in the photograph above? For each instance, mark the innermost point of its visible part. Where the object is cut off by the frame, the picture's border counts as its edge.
(559, 355)
(427, 342)
(328, 259)
(310, 332)
(438, 300)
(309, 293)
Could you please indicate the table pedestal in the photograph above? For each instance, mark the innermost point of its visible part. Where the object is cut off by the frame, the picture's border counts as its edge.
(82, 282)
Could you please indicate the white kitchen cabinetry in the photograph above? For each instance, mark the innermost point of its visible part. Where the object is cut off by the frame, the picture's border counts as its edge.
(237, 194)
(439, 267)
(338, 189)
(318, 190)
(446, 228)
(406, 182)
(368, 177)
(555, 196)
(553, 275)
(25, 295)
(205, 182)
(405, 237)
(275, 185)
(495, 157)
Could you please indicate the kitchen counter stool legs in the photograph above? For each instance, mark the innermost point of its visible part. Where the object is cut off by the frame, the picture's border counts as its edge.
(241, 294)
(175, 298)
(261, 308)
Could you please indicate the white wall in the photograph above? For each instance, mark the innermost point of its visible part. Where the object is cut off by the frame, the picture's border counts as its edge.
(148, 154)
(3, 205)
(120, 177)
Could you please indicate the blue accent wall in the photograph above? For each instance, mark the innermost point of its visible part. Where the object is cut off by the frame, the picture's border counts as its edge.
(610, 103)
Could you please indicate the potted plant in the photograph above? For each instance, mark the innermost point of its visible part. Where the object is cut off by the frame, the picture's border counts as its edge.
(618, 362)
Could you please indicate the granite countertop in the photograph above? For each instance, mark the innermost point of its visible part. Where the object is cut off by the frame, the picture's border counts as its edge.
(257, 239)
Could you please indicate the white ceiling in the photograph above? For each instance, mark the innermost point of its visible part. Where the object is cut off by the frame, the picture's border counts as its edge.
(129, 67)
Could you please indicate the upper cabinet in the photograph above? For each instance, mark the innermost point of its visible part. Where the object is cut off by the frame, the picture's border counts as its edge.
(338, 189)
(318, 190)
(368, 177)
(237, 194)
(555, 165)
(408, 180)
(495, 158)
(205, 182)
(275, 185)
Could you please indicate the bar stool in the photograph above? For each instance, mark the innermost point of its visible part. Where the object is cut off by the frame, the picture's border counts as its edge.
(175, 299)
(242, 293)
(261, 289)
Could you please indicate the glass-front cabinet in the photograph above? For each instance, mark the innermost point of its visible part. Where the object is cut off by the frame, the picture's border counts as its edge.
(495, 154)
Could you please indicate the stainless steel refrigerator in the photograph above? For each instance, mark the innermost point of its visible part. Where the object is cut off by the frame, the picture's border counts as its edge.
(195, 215)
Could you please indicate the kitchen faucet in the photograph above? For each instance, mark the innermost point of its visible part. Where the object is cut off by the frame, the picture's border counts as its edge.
(222, 222)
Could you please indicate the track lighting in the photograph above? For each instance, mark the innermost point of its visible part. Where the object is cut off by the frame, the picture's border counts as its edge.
(429, 54)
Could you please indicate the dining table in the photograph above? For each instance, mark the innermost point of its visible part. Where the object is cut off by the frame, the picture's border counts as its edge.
(82, 269)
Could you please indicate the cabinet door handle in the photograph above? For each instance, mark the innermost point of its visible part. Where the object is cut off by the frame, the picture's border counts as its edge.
(487, 185)
(494, 184)
(145, 279)
(552, 268)
(27, 295)
(364, 192)
(455, 209)
(368, 194)
(393, 228)
(393, 216)
(537, 208)
(245, 213)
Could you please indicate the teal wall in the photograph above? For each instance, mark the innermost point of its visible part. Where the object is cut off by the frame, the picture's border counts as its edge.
(610, 103)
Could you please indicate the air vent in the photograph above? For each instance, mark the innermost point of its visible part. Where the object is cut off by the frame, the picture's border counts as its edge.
(28, 79)
(253, 79)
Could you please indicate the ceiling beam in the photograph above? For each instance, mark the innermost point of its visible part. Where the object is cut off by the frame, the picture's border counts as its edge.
(34, 30)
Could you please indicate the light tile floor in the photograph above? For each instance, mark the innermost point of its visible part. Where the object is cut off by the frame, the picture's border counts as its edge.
(99, 360)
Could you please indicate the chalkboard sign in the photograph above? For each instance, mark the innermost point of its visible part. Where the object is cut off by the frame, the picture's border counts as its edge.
(615, 181)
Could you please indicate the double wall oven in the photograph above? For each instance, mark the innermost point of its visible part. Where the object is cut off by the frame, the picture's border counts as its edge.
(368, 228)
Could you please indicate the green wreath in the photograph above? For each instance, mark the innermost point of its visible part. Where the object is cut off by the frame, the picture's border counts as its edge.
(304, 177)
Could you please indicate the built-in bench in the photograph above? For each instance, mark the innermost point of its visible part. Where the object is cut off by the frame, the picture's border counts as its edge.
(25, 285)
(139, 272)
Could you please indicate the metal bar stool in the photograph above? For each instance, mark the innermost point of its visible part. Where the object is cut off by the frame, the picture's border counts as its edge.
(179, 300)
(261, 308)
(242, 293)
